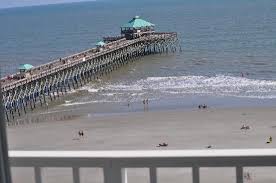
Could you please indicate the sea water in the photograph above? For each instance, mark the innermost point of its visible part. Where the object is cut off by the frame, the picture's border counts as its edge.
(228, 47)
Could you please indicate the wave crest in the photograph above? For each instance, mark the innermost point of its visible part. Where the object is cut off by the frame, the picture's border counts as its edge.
(217, 85)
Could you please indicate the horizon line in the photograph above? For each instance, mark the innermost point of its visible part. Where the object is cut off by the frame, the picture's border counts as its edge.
(47, 4)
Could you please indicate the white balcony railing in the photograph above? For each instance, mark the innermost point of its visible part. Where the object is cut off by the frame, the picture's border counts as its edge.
(115, 163)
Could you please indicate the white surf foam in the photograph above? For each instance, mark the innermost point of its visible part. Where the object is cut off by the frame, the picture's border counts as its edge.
(216, 85)
(83, 103)
(90, 89)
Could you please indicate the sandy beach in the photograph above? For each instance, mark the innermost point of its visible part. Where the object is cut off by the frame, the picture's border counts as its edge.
(187, 129)
(181, 129)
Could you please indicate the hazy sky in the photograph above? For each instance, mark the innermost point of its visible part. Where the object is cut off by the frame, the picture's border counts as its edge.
(15, 3)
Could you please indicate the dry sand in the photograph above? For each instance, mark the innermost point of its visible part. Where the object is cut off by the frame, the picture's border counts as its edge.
(181, 129)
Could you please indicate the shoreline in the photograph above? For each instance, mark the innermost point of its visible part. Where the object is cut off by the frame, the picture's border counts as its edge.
(65, 109)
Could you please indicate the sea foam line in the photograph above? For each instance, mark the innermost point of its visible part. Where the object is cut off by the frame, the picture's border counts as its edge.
(225, 83)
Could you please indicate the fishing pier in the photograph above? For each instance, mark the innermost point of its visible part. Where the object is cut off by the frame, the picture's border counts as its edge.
(39, 85)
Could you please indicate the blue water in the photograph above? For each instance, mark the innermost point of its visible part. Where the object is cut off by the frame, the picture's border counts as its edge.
(220, 40)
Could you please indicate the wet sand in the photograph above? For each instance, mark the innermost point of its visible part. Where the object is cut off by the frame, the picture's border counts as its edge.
(181, 129)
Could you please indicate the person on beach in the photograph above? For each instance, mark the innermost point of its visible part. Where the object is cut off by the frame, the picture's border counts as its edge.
(81, 134)
(147, 104)
(144, 102)
(247, 176)
(269, 140)
(163, 145)
(204, 106)
(245, 127)
(209, 147)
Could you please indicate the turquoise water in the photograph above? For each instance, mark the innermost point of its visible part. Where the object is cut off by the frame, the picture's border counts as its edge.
(220, 40)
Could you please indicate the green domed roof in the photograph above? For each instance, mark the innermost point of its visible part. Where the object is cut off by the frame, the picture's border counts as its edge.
(100, 43)
(137, 22)
(25, 66)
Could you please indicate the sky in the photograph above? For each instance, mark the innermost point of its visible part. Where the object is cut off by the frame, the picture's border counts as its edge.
(19, 3)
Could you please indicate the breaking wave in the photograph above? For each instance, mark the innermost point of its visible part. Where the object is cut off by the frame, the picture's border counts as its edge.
(156, 88)
(218, 85)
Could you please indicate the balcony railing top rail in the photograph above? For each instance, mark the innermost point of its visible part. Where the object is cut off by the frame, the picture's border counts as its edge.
(146, 154)
(115, 163)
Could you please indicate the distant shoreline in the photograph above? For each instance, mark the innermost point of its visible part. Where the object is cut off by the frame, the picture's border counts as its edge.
(64, 109)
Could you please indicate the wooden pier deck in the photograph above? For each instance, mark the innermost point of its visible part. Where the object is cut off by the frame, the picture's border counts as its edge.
(44, 83)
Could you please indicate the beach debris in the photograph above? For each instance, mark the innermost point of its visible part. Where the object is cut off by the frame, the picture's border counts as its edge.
(269, 140)
(162, 145)
(245, 127)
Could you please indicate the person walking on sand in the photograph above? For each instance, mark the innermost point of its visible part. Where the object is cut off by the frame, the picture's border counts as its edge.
(81, 134)
(269, 140)
(147, 104)
(144, 102)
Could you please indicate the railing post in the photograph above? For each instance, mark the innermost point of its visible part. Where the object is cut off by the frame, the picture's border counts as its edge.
(37, 171)
(153, 175)
(112, 173)
(124, 175)
(239, 174)
(76, 175)
(195, 172)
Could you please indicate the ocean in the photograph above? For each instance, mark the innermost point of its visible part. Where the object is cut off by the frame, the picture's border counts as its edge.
(228, 47)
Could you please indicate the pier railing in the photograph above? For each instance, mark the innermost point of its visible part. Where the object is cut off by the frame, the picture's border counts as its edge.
(57, 66)
(115, 163)
(72, 60)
